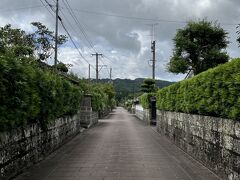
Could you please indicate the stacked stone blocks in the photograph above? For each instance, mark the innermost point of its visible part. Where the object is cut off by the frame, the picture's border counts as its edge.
(213, 141)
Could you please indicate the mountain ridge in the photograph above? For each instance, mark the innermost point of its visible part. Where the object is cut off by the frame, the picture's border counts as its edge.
(127, 87)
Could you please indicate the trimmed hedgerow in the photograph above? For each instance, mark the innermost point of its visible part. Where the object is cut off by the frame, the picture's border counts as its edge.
(29, 94)
(144, 99)
(103, 97)
(214, 92)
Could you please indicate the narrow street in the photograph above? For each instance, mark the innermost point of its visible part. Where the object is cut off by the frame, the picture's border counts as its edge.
(119, 147)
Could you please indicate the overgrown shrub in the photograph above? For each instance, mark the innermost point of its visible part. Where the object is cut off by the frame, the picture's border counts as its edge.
(30, 94)
(214, 92)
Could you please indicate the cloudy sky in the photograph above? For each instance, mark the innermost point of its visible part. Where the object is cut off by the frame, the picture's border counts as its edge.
(121, 29)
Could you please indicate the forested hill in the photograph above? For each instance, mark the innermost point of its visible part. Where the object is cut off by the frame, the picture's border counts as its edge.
(125, 87)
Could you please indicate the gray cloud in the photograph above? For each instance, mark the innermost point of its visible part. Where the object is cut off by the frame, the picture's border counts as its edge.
(125, 41)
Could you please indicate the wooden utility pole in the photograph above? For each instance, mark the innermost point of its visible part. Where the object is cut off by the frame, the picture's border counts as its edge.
(110, 74)
(56, 34)
(89, 72)
(96, 54)
(153, 60)
(153, 49)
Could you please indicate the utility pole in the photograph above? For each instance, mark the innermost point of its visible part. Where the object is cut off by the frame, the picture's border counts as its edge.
(56, 34)
(96, 54)
(133, 93)
(89, 72)
(153, 49)
(153, 43)
(111, 74)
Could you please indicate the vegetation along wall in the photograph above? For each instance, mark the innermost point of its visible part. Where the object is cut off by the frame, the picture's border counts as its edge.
(186, 115)
(30, 94)
(214, 92)
(40, 110)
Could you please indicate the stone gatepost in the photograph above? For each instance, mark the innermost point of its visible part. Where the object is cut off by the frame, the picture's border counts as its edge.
(87, 116)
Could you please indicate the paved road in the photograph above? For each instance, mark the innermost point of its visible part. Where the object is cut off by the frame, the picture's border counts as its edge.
(119, 147)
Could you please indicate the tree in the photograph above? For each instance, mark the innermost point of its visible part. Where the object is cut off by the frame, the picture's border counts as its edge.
(198, 47)
(15, 42)
(61, 67)
(44, 40)
(148, 85)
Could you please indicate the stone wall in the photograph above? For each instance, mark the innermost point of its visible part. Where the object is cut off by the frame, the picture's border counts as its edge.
(88, 118)
(104, 113)
(142, 114)
(213, 141)
(23, 147)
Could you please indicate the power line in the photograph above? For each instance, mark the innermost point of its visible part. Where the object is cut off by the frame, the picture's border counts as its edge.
(46, 6)
(107, 58)
(139, 18)
(75, 44)
(50, 5)
(83, 31)
(65, 17)
(68, 21)
(22, 8)
(74, 29)
(127, 17)
(80, 26)
(50, 11)
(64, 27)
(68, 33)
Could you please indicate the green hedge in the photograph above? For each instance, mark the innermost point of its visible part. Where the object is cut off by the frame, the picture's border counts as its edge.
(99, 99)
(103, 97)
(29, 94)
(144, 99)
(215, 92)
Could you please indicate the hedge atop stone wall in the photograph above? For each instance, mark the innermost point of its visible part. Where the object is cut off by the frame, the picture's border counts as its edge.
(144, 99)
(103, 95)
(215, 92)
(30, 94)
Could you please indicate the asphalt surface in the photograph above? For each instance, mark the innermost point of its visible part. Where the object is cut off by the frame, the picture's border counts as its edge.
(119, 147)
